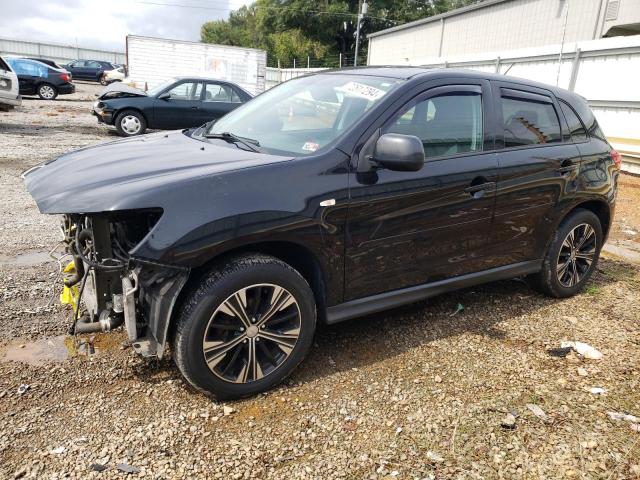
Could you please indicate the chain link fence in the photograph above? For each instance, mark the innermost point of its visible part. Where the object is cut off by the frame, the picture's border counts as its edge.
(334, 61)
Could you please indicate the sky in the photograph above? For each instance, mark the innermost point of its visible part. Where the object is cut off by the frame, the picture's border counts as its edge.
(104, 24)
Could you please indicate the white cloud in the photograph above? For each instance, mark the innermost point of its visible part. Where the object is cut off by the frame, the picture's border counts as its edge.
(106, 23)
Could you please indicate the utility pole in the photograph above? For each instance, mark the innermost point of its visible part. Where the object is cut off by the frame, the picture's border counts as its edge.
(564, 30)
(363, 11)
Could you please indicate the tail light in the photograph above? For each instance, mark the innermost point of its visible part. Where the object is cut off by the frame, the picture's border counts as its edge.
(65, 77)
(616, 157)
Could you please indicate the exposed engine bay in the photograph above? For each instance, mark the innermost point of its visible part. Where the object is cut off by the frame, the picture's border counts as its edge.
(114, 287)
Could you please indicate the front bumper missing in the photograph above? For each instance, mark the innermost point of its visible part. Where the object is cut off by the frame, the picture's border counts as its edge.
(149, 294)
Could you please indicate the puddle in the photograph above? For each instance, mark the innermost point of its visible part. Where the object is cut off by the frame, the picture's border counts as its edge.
(31, 258)
(627, 250)
(58, 349)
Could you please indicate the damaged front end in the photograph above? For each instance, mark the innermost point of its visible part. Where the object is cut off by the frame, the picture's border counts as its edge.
(115, 287)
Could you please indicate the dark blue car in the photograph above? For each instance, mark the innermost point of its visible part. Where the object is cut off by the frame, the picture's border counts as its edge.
(92, 70)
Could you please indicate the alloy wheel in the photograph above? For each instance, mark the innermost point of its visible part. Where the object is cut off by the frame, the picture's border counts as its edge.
(576, 255)
(47, 92)
(251, 333)
(130, 124)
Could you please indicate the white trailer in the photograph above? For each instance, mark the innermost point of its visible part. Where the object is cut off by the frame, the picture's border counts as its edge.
(151, 61)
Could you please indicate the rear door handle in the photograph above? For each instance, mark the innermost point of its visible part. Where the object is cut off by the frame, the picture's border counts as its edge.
(194, 108)
(567, 169)
(480, 187)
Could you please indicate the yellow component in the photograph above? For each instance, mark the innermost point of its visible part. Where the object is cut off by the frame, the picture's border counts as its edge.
(69, 295)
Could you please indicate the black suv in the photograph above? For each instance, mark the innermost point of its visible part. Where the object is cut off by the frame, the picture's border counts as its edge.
(328, 197)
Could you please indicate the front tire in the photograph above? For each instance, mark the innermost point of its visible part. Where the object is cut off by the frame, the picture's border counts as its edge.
(572, 256)
(47, 91)
(103, 80)
(245, 328)
(130, 123)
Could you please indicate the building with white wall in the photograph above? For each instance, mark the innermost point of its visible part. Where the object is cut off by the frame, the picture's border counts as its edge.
(504, 25)
(591, 47)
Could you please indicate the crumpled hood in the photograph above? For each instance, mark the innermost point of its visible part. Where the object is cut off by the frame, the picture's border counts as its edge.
(132, 173)
(114, 89)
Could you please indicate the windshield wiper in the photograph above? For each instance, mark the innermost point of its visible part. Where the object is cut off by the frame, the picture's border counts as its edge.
(250, 143)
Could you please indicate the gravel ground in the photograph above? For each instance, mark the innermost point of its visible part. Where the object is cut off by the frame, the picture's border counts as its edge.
(419, 392)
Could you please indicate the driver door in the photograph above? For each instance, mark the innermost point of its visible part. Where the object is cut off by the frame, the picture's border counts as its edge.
(411, 228)
(181, 109)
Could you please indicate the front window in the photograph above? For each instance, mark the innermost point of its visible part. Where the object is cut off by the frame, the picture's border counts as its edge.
(186, 91)
(304, 115)
(447, 124)
(152, 92)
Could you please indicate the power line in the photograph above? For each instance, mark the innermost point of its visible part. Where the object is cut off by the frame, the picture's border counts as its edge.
(227, 9)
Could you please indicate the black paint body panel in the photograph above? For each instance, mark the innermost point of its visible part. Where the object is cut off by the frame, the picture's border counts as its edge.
(387, 230)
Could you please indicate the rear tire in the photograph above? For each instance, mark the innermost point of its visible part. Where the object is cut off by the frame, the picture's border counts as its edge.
(572, 255)
(245, 328)
(103, 80)
(130, 123)
(46, 91)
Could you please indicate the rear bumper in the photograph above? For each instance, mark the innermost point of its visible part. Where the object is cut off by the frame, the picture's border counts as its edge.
(14, 102)
(66, 89)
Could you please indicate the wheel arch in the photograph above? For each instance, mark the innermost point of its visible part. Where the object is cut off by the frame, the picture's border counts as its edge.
(125, 109)
(600, 208)
(294, 254)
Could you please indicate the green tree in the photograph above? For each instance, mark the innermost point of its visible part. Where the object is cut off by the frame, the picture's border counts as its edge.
(289, 29)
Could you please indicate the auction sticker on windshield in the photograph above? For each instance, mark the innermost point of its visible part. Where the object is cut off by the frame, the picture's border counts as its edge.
(357, 89)
(310, 146)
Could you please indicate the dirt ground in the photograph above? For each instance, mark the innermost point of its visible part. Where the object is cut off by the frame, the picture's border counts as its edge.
(421, 392)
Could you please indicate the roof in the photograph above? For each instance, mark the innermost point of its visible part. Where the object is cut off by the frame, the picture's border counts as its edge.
(390, 71)
(435, 18)
(405, 73)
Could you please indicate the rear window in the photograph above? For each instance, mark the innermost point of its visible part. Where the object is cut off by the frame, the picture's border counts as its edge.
(578, 132)
(29, 68)
(528, 122)
(3, 65)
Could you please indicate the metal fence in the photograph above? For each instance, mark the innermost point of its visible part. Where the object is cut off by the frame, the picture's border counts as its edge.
(56, 51)
(604, 71)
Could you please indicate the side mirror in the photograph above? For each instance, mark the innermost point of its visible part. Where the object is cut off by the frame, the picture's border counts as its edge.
(164, 96)
(403, 153)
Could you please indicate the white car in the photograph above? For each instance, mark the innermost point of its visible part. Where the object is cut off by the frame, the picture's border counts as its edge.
(115, 75)
(9, 87)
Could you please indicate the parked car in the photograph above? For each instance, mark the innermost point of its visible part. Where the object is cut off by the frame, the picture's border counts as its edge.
(92, 70)
(9, 94)
(181, 102)
(46, 61)
(118, 74)
(232, 241)
(37, 78)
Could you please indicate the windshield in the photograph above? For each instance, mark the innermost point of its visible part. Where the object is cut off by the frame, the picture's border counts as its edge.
(152, 92)
(301, 116)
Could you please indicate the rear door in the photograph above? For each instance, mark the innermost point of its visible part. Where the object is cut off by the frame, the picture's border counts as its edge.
(92, 70)
(218, 100)
(181, 109)
(410, 228)
(29, 75)
(538, 166)
(78, 69)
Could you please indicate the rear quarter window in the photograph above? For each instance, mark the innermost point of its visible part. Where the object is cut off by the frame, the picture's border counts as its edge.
(585, 114)
(576, 127)
(4, 66)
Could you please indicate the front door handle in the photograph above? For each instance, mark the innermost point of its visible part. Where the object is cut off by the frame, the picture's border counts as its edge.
(194, 108)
